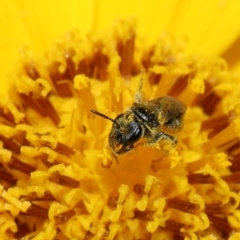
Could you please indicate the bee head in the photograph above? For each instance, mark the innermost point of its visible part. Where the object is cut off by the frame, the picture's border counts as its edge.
(126, 131)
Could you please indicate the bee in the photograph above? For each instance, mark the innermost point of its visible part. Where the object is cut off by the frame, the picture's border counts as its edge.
(145, 119)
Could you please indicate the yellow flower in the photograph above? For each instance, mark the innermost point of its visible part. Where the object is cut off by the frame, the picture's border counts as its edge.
(59, 178)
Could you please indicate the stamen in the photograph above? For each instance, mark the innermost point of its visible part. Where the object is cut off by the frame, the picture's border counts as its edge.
(43, 156)
(20, 137)
(23, 230)
(11, 144)
(215, 131)
(116, 213)
(63, 80)
(35, 210)
(183, 205)
(216, 122)
(60, 83)
(198, 178)
(6, 117)
(232, 178)
(105, 235)
(226, 135)
(89, 235)
(64, 180)
(64, 149)
(125, 51)
(208, 100)
(139, 189)
(220, 223)
(31, 102)
(145, 215)
(111, 232)
(6, 176)
(85, 67)
(235, 163)
(31, 71)
(107, 231)
(179, 86)
(214, 208)
(143, 202)
(100, 64)
(49, 109)
(154, 78)
(233, 147)
(64, 217)
(20, 166)
(49, 164)
(112, 202)
(41, 105)
(146, 59)
(59, 147)
(35, 198)
(70, 72)
(174, 227)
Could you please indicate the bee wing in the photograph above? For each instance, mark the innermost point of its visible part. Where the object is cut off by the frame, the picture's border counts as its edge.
(168, 108)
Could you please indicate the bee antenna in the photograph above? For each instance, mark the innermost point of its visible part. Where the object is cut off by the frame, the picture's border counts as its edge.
(104, 116)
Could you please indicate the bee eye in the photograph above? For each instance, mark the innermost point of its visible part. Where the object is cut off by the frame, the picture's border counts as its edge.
(134, 135)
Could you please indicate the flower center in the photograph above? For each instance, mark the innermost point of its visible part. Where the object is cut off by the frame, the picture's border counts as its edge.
(58, 174)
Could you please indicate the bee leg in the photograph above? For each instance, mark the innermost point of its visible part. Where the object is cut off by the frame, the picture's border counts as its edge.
(116, 158)
(124, 149)
(138, 97)
(162, 136)
(139, 94)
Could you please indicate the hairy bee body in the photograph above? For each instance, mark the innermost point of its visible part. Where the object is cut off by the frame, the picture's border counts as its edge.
(146, 119)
